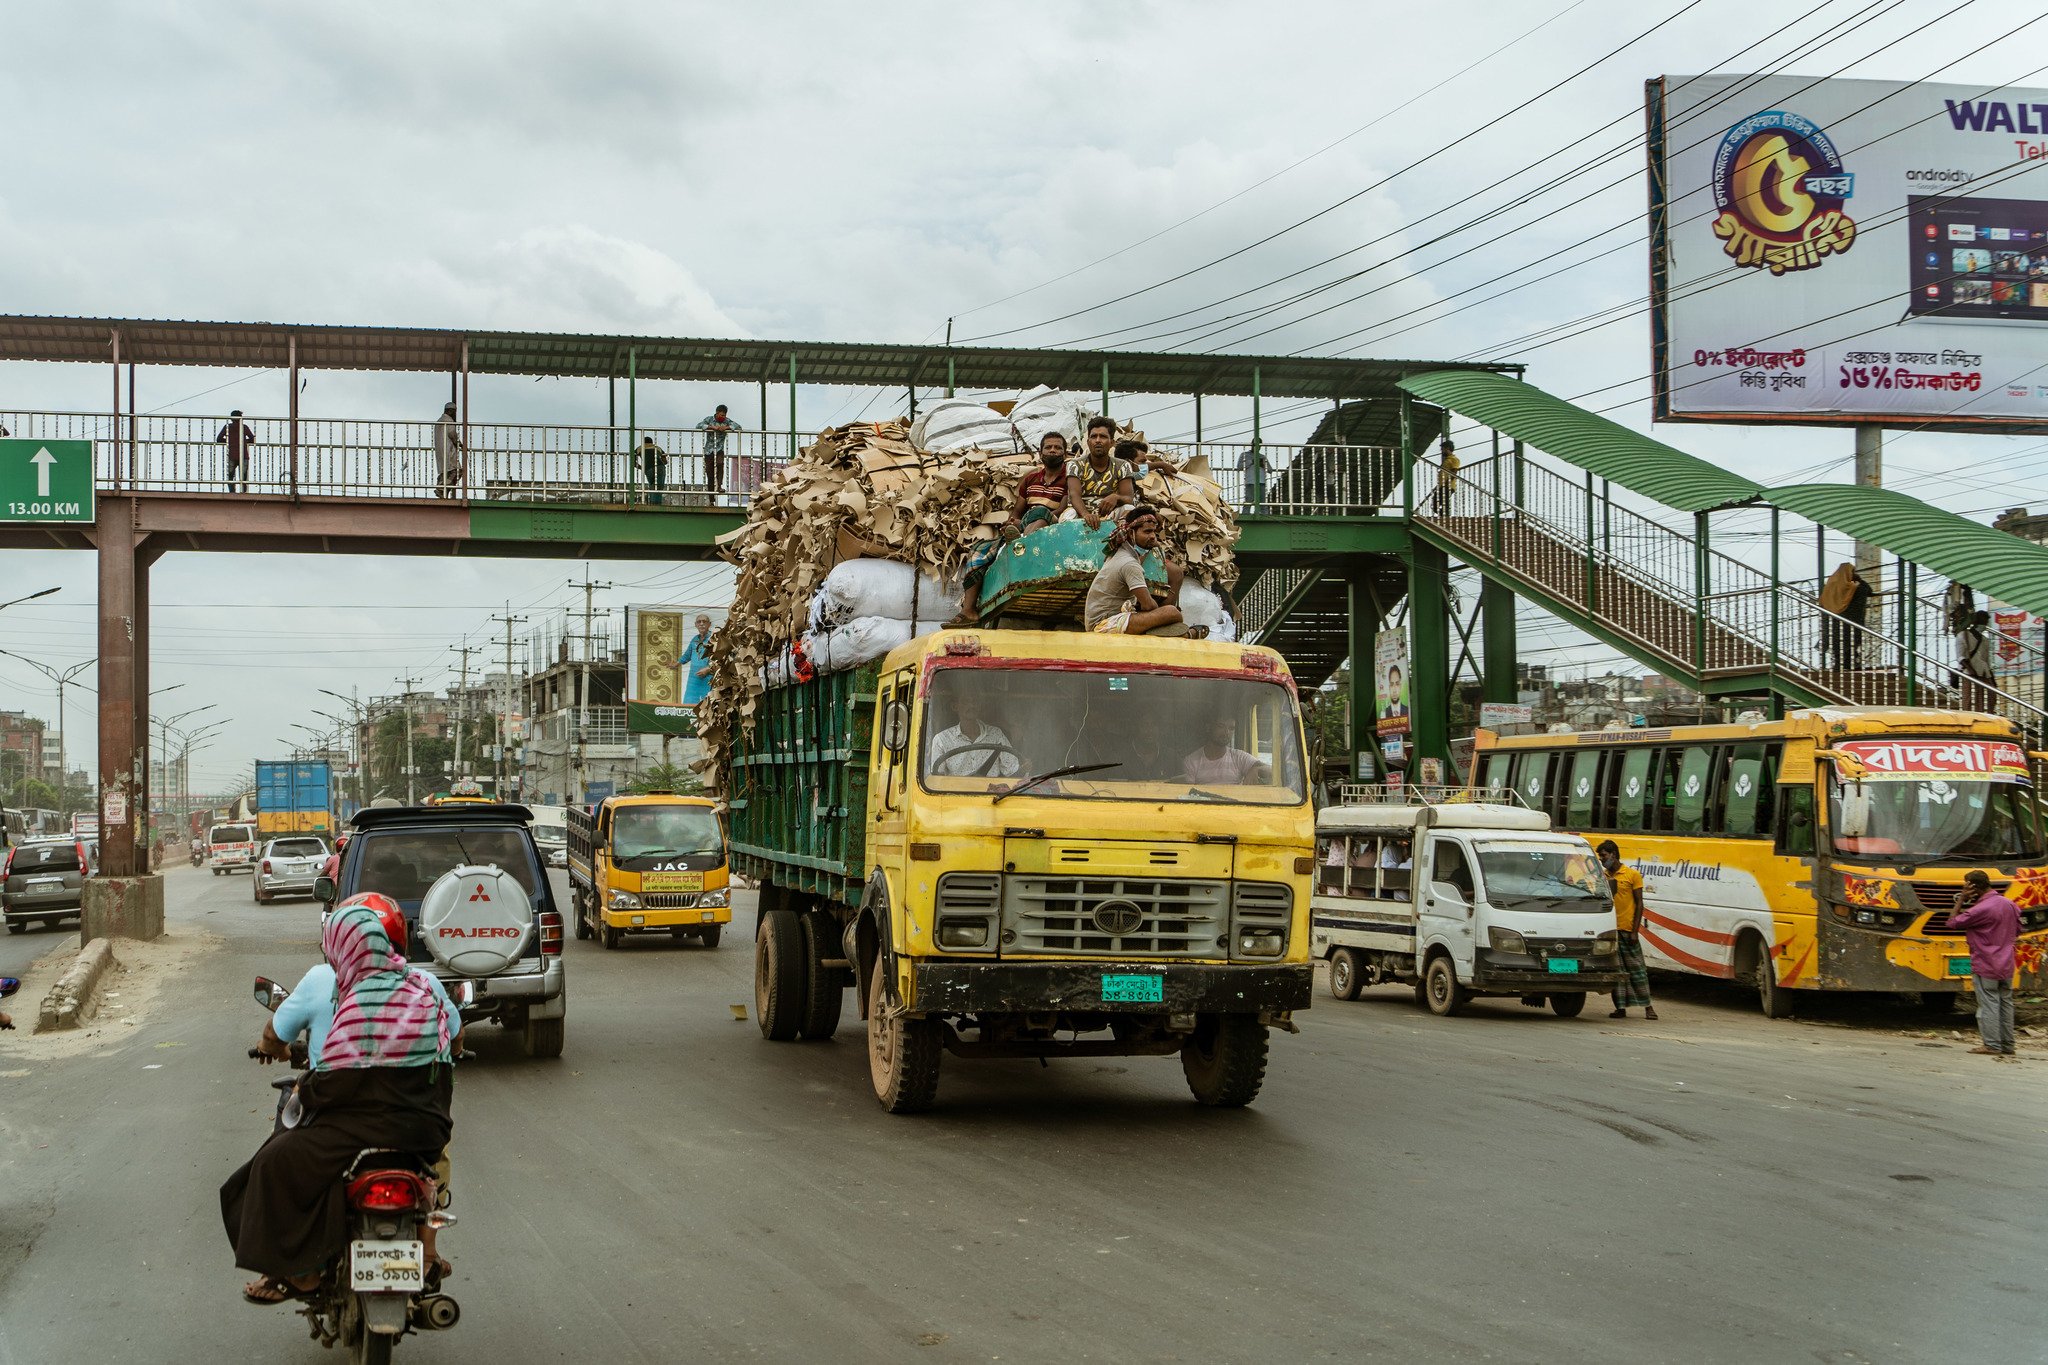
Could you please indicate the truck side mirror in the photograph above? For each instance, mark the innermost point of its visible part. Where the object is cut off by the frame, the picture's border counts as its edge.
(896, 727)
(323, 890)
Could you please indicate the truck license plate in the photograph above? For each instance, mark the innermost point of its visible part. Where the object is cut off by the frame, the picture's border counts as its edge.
(1145, 989)
(387, 1267)
(1959, 966)
(1566, 965)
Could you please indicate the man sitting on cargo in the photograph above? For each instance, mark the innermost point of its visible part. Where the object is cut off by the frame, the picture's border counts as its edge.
(1220, 762)
(1041, 495)
(1119, 602)
(970, 748)
(1107, 480)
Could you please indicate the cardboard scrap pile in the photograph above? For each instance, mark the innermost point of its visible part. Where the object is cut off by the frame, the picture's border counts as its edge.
(865, 490)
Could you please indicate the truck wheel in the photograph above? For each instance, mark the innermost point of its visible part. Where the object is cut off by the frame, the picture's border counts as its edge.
(543, 1037)
(709, 933)
(1440, 989)
(824, 991)
(1344, 982)
(1938, 1002)
(1568, 1004)
(779, 976)
(609, 936)
(582, 909)
(1225, 1061)
(903, 1053)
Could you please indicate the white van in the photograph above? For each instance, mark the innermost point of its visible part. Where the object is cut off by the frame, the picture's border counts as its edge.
(1461, 900)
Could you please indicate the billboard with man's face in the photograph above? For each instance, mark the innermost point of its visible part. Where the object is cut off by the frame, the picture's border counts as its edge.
(1390, 682)
(1849, 251)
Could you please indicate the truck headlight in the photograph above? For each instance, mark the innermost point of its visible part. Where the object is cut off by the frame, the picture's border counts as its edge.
(963, 933)
(1261, 942)
(623, 900)
(713, 899)
(1507, 941)
(1607, 944)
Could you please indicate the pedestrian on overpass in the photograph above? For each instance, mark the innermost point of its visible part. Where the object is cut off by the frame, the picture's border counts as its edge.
(1991, 923)
(654, 463)
(1627, 885)
(716, 428)
(241, 444)
(1446, 478)
(451, 457)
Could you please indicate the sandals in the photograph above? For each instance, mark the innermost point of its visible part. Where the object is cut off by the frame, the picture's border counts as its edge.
(1649, 1011)
(269, 1291)
(1619, 1014)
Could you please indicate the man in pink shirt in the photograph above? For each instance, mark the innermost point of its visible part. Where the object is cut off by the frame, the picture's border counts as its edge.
(1992, 925)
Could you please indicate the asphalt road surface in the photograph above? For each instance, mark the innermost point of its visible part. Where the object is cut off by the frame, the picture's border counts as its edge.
(1503, 1186)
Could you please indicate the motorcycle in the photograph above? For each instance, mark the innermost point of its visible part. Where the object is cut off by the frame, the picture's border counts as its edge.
(383, 1288)
(198, 855)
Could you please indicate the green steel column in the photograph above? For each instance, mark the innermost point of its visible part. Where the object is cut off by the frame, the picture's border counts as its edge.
(1495, 462)
(1911, 575)
(1592, 566)
(1699, 601)
(1407, 458)
(1105, 388)
(1772, 663)
(1256, 489)
(1497, 624)
(949, 376)
(792, 407)
(632, 424)
(1520, 492)
(1429, 658)
(1363, 624)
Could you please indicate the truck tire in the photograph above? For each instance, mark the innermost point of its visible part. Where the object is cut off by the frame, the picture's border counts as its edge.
(1440, 990)
(1225, 1061)
(1568, 1004)
(1344, 982)
(543, 1037)
(903, 1053)
(824, 989)
(608, 936)
(779, 976)
(582, 909)
(709, 933)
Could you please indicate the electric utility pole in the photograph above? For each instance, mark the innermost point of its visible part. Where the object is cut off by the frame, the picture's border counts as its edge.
(411, 769)
(465, 649)
(581, 783)
(508, 620)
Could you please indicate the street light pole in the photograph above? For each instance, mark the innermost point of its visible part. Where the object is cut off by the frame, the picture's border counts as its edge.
(62, 680)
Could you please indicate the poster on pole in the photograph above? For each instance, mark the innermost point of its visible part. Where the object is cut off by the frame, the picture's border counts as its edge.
(1841, 252)
(661, 643)
(1390, 682)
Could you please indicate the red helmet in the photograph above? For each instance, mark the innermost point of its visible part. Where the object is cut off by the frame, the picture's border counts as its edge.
(387, 912)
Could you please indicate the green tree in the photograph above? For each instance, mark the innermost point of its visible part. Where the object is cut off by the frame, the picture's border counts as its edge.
(666, 777)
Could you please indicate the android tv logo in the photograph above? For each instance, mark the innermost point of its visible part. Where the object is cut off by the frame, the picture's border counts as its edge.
(1780, 187)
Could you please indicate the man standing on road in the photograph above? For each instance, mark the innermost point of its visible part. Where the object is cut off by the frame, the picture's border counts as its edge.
(241, 444)
(716, 428)
(1627, 886)
(654, 462)
(1992, 925)
(450, 456)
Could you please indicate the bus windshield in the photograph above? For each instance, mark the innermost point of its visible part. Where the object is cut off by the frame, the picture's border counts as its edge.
(1933, 821)
(1146, 736)
(664, 831)
(1563, 880)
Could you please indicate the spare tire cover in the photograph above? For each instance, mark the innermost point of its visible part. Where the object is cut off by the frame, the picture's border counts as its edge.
(476, 920)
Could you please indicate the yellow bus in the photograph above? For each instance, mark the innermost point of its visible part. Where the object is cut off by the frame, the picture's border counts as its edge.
(1824, 851)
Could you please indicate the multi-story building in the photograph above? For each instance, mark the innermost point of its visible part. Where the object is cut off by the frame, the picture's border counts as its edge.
(21, 749)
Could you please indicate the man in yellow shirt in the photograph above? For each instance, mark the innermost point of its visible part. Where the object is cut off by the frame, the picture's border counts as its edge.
(1627, 886)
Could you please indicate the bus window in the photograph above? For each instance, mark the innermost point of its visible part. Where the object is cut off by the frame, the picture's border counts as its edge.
(1695, 778)
(1584, 781)
(1747, 809)
(1497, 766)
(1530, 775)
(1795, 831)
(1632, 788)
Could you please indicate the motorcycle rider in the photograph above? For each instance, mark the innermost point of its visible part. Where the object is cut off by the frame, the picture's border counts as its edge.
(383, 1079)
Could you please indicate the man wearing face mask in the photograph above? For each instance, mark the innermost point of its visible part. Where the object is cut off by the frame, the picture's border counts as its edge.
(1627, 886)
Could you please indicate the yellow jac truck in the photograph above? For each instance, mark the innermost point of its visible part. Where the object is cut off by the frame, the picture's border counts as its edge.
(649, 864)
(1032, 844)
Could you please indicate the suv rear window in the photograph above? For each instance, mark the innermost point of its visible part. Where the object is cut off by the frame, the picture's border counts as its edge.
(32, 858)
(298, 848)
(404, 863)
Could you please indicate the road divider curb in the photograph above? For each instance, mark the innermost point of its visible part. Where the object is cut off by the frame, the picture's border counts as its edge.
(69, 1003)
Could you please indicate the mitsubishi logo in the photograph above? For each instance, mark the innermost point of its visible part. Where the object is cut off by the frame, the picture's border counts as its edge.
(478, 894)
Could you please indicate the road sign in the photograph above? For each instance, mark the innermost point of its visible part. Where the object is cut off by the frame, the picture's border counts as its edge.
(46, 480)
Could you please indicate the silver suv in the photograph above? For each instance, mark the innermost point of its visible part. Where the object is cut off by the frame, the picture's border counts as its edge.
(288, 867)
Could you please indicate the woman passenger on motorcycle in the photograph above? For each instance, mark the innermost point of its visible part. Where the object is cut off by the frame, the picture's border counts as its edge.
(384, 1079)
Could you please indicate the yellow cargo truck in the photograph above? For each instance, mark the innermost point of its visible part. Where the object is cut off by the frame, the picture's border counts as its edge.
(1032, 844)
(649, 864)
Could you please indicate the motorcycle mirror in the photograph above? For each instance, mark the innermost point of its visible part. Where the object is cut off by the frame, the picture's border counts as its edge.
(269, 994)
(9, 985)
(323, 890)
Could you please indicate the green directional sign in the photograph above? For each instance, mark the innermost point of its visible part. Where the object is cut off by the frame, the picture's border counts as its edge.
(45, 480)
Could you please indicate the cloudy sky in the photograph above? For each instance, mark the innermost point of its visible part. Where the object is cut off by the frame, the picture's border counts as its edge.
(835, 172)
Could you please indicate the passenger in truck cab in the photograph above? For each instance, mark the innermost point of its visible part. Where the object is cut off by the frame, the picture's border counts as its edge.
(1221, 762)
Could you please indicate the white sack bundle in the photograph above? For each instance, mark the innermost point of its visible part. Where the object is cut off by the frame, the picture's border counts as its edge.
(856, 642)
(881, 587)
(953, 424)
(1045, 409)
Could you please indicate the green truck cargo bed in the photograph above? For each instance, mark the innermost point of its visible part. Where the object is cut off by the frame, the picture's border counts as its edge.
(797, 787)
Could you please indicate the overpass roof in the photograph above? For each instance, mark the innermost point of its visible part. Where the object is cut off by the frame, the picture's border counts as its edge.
(267, 345)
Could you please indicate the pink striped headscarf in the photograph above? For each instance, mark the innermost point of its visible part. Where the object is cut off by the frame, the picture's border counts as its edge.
(384, 1014)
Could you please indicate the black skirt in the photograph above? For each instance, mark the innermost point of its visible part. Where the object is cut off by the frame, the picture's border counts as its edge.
(285, 1210)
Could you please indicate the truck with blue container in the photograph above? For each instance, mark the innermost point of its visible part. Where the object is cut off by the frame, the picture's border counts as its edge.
(294, 798)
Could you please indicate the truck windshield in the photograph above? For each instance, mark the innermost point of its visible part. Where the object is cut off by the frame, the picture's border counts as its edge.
(657, 831)
(1558, 877)
(1932, 821)
(1166, 736)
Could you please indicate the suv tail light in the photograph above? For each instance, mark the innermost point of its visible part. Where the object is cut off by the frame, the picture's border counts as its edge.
(7, 863)
(388, 1191)
(550, 932)
(266, 864)
(84, 867)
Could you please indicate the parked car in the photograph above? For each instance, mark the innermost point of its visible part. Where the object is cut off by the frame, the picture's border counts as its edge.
(494, 939)
(41, 879)
(288, 867)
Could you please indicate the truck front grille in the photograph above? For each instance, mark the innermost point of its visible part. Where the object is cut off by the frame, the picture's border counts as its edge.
(1116, 916)
(669, 900)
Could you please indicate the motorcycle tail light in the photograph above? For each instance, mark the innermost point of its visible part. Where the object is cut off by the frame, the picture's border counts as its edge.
(550, 932)
(387, 1191)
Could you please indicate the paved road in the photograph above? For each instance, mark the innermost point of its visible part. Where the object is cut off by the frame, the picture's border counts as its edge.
(1506, 1186)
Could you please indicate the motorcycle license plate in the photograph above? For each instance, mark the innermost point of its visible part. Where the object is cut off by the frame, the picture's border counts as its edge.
(1566, 965)
(387, 1267)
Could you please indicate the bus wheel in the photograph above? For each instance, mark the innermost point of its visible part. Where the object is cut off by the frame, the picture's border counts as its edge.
(1344, 982)
(1225, 1060)
(1440, 989)
(903, 1053)
(824, 991)
(779, 976)
(1568, 1004)
(1775, 999)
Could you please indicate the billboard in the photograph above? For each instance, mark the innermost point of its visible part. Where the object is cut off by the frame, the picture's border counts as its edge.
(1846, 251)
(1390, 683)
(659, 640)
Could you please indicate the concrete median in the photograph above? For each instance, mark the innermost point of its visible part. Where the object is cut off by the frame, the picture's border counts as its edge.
(69, 1003)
